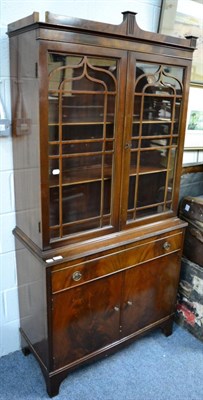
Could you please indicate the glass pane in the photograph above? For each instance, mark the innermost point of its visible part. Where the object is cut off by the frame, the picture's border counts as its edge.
(54, 172)
(156, 89)
(81, 226)
(162, 108)
(53, 149)
(131, 194)
(175, 140)
(53, 114)
(109, 131)
(156, 129)
(151, 196)
(54, 206)
(149, 188)
(110, 108)
(89, 131)
(78, 169)
(109, 145)
(57, 62)
(147, 212)
(133, 162)
(84, 147)
(177, 109)
(68, 68)
(153, 160)
(83, 108)
(108, 161)
(107, 197)
(148, 75)
(134, 144)
(172, 162)
(136, 129)
(104, 70)
(81, 201)
(81, 132)
(53, 133)
(161, 194)
(54, 233)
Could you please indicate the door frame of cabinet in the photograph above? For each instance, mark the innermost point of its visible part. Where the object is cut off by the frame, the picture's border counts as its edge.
(133, 58)
(98, 52)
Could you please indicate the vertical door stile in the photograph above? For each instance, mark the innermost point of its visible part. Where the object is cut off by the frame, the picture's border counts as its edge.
(60, 163)
(118, 129)
(103, 159)
(128, 120)
(44, 162)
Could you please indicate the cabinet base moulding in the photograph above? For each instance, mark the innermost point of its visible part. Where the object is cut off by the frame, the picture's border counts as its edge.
(54, 378)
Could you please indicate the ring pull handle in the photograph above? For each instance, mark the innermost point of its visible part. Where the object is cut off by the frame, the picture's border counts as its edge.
(77, 275)
(166, 246)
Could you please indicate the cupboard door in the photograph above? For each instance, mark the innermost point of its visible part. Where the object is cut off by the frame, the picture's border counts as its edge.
(152, 138)
(85, 319)
(150, 292)
(84, 132)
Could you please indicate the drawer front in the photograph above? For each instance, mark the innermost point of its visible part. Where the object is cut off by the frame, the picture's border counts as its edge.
(67, 277)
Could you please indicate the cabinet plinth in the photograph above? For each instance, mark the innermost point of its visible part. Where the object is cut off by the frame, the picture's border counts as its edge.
(99, 117)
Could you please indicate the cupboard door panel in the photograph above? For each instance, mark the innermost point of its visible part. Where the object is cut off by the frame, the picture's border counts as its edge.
(154, 106)
(150, 292)
(85, 319)
(84, 132)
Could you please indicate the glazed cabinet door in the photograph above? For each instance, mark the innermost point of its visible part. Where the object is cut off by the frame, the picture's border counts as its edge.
(153, 138)
(85, 125)
(150, 292)
(85, 319)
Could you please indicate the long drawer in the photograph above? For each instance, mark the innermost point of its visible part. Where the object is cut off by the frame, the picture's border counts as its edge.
(69, 276)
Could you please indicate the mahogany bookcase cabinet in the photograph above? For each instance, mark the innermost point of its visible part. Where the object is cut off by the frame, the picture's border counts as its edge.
(99, 116)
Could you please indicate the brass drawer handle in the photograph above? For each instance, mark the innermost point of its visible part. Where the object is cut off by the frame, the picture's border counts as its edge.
(166, 246)
(77, 275)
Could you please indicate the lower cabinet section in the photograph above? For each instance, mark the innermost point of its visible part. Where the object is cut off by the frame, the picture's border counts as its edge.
(96, 314)
(96, 303)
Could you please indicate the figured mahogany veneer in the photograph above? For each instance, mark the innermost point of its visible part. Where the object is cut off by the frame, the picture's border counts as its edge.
(63, 276)
(99, 114)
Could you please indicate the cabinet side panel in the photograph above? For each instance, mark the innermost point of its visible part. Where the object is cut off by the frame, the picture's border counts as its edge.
(32, 301)
(25, 127)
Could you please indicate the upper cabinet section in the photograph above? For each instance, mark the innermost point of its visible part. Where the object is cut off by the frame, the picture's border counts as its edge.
(102, 111)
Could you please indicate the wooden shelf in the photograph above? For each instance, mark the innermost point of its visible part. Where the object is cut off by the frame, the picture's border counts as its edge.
(157, 121)
(75, 123)
(147, 170)
(161, 95)
(76, 176)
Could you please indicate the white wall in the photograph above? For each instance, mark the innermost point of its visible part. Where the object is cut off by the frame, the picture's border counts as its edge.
(10, 11)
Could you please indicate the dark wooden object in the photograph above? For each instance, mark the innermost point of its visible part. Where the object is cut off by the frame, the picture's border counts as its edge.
(99, 117)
